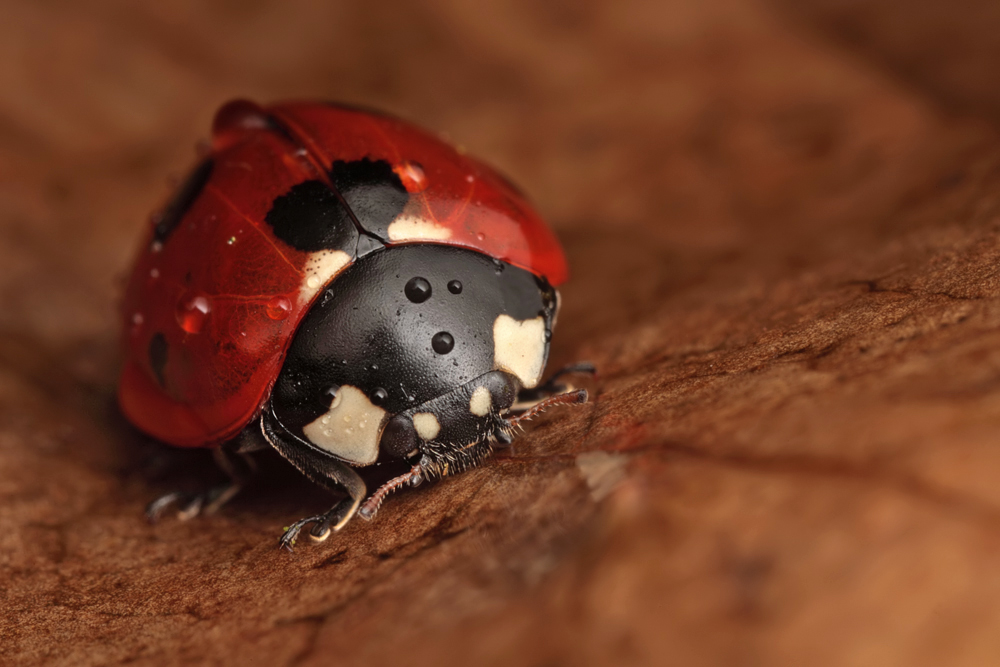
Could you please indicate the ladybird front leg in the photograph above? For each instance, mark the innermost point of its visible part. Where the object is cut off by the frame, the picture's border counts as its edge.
(322, 469)
(240, 469)
(325, 524)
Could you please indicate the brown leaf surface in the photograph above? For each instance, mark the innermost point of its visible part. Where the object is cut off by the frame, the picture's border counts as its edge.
(784, 225)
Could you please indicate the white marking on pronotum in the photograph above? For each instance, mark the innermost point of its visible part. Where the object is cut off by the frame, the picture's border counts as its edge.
(350, 429)
(481, 402)
(412, 228)
(321, 266)
(426, 425)
(519, 348)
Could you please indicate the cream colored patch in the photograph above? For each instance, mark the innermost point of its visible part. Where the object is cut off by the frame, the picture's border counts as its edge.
(350, 429)
(320, 268)
(602, 471)
(427, 425)
(413, 228)
(519, 348)
(481, 402)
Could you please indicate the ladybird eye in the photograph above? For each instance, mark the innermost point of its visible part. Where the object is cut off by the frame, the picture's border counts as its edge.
(443, 342)
(417, 290)
(455, 287)
(331, 396)
(379, 396)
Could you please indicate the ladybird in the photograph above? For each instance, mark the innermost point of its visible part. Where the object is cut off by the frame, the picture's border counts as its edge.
(347, 289)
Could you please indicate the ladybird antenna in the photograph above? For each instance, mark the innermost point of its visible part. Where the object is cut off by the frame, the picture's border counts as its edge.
(574, 397)
(370, 507)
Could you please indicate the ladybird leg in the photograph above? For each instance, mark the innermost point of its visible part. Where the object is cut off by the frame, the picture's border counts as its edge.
(322, 469)
(239, 467)
(526, 398)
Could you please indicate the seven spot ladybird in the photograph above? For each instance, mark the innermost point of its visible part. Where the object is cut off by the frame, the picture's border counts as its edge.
(348, 289)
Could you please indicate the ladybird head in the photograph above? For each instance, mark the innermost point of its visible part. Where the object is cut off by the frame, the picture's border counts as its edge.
(413, 347)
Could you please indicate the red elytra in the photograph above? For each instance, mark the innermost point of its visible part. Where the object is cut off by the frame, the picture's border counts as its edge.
(223, 293)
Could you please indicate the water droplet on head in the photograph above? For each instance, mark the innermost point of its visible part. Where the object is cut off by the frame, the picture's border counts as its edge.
(455, 287)
(192, 312)
(312, 282)
(412, 175)
(155, 246)
(231, 240)
(443, 342)
(379, 396)
(498, 266)
(470, 178)
(279, 308)
(417, 290)
(480, 236)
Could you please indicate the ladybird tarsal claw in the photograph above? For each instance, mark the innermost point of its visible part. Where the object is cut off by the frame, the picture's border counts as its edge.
(328, 523)
(318, 533)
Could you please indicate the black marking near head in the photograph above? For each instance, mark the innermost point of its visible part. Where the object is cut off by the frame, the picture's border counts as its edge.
(158, 357)
(387, 340)
(182, 200)
(310, 217)
(373, 191)
(399, 438)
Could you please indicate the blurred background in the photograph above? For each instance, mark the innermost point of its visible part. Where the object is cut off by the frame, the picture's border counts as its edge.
(781, 218)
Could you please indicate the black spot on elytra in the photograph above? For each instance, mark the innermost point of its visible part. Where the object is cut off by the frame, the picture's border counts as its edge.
(373, 191)
(182, 201)
(310, 217)
(158, 357)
